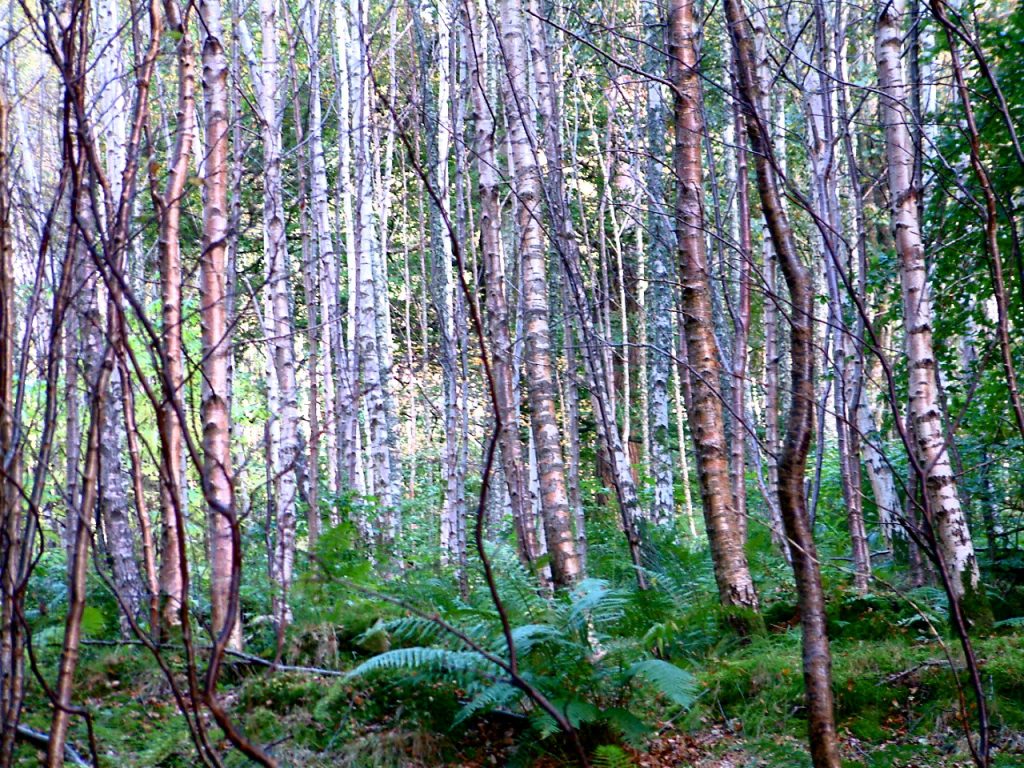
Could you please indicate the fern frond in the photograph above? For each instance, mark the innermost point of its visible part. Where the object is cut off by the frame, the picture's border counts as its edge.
(498, 695)
(678, 685)
(633, 730)
(530, 636)
(594, 601)
(425, 660)
(411, 629)
(611, 756)
(543, 723)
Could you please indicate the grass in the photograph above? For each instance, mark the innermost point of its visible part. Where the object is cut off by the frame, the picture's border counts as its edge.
(896, 705)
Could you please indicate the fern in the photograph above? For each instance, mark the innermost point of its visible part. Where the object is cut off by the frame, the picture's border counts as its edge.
(611, 756)
(530, 636)
(425, 659)
(631, 728)
(594, 601)
(578, 712)
(409, 629)
(543, 723)
(676, 684)
(498, 695)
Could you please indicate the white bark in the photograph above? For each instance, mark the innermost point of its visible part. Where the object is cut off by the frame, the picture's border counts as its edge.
(285, 433)
(371, 297)
(925, 411)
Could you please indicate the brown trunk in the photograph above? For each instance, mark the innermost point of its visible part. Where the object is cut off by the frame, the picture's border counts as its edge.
(704, 404)
(216, 337)
(169, 247)
(817, 660)
(540, 373)
(11, 523)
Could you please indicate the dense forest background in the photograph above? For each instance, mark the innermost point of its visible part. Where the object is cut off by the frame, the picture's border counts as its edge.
(511, 382)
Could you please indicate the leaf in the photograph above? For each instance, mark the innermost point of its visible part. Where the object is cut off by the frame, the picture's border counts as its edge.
(612, 756)
(499, 694)
(530, 636)
(424, 659)
(93, 621)
(632, 729)
(578, 711)
(672, 681)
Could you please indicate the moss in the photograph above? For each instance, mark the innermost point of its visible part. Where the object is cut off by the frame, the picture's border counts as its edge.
(977, 610)
(745, 622)
(867, 617)
(263, 724)
(869, 725)
(281, 692)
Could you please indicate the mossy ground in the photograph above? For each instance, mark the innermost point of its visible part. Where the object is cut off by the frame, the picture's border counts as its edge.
(896, 704)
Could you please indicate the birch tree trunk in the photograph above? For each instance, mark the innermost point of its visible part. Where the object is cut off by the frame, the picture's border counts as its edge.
(816, 87)
(496, 300)
(172, 480)
(369, 327)
(741, 326)
(225, 541)
(599, 379)
(925, 410)
(817, 658)
(275, 253)
(659, 292)
(114, 507)
(732, 573)
(540, 374)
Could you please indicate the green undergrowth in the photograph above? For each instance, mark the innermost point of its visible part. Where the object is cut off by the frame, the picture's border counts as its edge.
(896, 704)
(896, 698)
(628, 668)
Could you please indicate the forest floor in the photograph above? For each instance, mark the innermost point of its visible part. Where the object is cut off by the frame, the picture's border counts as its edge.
(896, 704)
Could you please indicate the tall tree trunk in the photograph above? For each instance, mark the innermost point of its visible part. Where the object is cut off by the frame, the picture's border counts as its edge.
(172, 476)
(925, 411)
(599, 379)
(275, 253)
(12, 543)
(817, 659)
(659, 293)
(214, 288)
(816, 86)
(732, 573)
(540, 373)
(741, 329)
(496, 299)
(867, 371)
(114, 508)
(342, 337)
(773, 343)
(324, 242)
(369, 328)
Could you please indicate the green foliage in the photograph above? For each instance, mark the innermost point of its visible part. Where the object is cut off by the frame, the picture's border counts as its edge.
(585, 650)
(611, 756)
(431, 661)
(674, 683)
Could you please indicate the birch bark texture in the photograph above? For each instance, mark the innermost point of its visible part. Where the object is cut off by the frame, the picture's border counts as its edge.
(925, 411)
(215, 414)
(275, 254)
(817, 658)
(170, 417)
(704, 404)
(540, 371)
